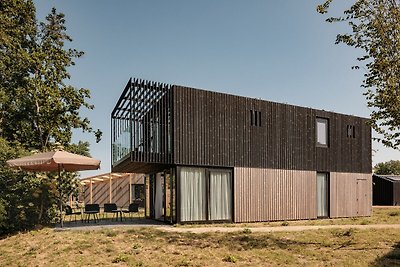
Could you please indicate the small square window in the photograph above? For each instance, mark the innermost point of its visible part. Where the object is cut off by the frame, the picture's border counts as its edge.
(322, 126)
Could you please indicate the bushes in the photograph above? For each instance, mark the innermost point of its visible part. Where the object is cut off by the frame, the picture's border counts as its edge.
(27, 199)
(3, 214)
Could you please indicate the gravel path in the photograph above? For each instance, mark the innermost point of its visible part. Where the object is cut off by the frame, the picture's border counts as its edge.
(268, 229)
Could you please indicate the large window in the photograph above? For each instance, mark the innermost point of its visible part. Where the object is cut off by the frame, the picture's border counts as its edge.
(193, 194)
(205, 194)
(220, 198)
(322, 132)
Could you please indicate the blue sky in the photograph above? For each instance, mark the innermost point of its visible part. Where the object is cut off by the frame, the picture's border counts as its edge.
(281, 51)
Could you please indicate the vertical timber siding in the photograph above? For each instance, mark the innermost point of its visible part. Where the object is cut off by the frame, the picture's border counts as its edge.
(350, 194)
(214, 129)
(345, 154)
(270, 195)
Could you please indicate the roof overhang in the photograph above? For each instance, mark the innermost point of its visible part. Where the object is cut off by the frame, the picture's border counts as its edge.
(105, 177)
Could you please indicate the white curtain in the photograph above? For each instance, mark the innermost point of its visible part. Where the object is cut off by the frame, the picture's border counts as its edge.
(192, 194)
(322, 195)
(220, 205)
(158, 202)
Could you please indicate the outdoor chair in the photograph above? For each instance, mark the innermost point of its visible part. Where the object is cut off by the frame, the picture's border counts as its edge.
(69, 212)
(133, 208)
(92, 209)
(112, 208)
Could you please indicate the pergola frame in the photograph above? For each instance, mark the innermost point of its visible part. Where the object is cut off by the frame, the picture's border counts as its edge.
(141, 123)
(104, 177)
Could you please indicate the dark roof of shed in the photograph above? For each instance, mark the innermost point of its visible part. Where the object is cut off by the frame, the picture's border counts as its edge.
(391, 178)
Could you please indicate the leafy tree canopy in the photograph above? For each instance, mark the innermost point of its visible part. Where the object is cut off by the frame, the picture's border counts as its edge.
(375, 29)
(38, 111)
(387, 168)
(38, 108)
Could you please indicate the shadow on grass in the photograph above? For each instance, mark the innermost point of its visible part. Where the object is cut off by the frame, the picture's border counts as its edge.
(235, 241)
(389, 259)
(108, 223)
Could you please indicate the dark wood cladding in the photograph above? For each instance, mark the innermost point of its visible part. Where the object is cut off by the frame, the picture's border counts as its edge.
(345, 154)
(215, 129)
(386, 192)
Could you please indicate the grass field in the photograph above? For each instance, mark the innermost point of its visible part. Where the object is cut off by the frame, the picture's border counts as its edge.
(379, 216)
(151, 247)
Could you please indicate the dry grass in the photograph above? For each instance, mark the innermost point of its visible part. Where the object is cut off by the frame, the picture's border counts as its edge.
(150, 247)
(379, 216)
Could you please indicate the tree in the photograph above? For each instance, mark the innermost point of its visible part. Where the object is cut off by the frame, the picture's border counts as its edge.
(386, 168)
(42, 108)
(38, 111)
(17, 33)
(375, 29)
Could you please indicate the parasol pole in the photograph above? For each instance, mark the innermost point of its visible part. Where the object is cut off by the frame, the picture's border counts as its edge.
(59, 180)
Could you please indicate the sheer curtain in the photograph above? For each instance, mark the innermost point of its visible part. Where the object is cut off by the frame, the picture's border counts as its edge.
(220, 205)
(322, 195)
(193, 194)
(158, 203)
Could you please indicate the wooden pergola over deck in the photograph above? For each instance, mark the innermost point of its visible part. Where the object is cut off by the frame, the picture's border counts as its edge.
(110, 187)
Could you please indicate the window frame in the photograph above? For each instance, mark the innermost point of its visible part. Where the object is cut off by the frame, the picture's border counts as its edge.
(326, 122)
(327, 194)
(207, 189)
(351, 131)
(255, 118)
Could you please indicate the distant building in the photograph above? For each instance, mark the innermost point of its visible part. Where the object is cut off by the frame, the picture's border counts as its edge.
(386, 190)
(211, 156)
(119, 188)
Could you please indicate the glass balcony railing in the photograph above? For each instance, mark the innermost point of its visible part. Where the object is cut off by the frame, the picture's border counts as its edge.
(141, 123)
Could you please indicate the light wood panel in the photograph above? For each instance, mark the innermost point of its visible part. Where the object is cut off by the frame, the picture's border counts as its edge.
(350, 194)
(271, 195)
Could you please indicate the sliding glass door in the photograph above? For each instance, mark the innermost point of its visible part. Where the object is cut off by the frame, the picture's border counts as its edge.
(205, 194)
(322, 195)
(161, 196)
(193, 194)
(220, 197)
